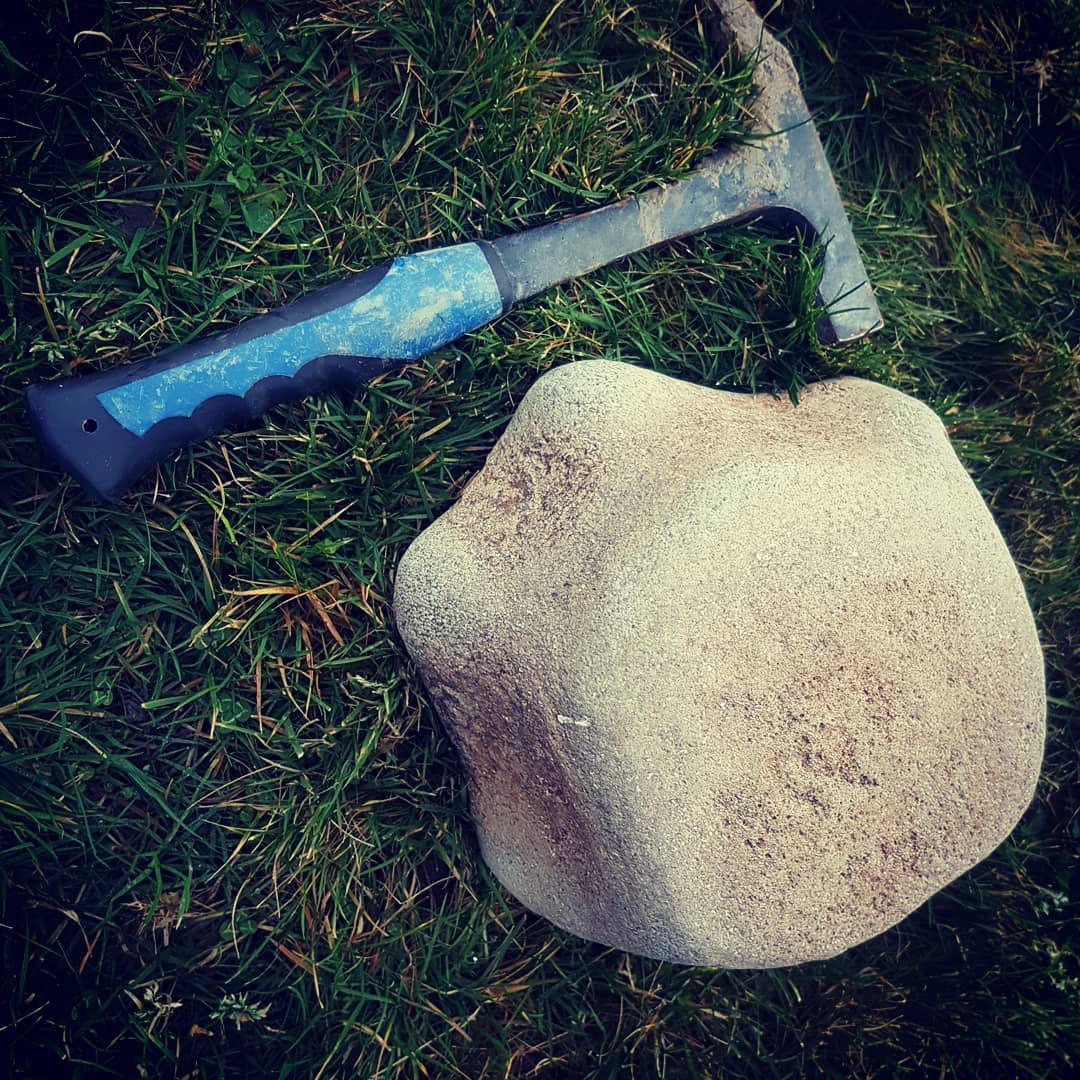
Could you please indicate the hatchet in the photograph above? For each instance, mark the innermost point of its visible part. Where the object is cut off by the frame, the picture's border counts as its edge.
(107, 429)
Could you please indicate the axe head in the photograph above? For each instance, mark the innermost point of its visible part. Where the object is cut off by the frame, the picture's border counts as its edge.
(778, 172)
(785, 175)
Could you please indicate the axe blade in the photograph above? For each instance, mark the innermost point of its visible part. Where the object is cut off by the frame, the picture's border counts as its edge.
(801, 177)
(780, 173)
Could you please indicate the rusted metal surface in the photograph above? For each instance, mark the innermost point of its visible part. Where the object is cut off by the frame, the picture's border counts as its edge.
(780, 173)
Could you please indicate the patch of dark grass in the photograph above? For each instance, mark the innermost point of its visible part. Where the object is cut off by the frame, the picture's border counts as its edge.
(233, 837)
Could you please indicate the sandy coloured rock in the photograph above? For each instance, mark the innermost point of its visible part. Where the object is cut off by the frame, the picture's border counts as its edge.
(735, 682)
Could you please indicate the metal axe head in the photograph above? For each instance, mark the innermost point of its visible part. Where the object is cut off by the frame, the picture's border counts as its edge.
(780, 172)
(785, 173)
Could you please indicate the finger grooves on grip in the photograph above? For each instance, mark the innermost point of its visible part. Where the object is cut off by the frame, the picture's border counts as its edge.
(107, 429)
(106, 458)
(420, 302)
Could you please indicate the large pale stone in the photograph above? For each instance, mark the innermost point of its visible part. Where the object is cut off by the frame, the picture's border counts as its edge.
(735, 682)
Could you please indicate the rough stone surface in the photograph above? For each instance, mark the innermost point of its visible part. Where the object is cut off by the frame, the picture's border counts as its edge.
(735, 682)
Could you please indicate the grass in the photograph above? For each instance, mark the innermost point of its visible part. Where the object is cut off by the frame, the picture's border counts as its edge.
(234, 838)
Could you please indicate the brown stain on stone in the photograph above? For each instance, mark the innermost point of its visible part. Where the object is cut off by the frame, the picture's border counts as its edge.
(534, 491)
(522, 796)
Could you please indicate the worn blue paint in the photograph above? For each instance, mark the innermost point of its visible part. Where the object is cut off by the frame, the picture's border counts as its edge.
(424, 301)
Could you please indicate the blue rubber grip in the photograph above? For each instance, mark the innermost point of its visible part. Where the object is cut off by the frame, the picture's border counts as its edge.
(107, 429)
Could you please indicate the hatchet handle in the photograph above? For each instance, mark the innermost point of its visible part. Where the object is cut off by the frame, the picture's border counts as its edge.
(107, 429)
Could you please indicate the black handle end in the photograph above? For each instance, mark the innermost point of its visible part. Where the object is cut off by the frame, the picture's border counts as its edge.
(84, 439)
(106, 458)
